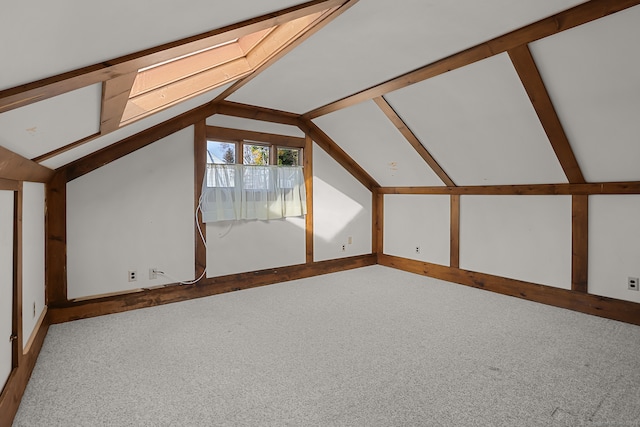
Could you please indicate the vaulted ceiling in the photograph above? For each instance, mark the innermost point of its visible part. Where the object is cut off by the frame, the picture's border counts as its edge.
(418, 93)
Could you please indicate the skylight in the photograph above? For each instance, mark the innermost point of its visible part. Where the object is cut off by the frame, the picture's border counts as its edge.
(166, 83)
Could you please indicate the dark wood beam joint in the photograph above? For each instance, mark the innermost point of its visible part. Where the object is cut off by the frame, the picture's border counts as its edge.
(327, 144)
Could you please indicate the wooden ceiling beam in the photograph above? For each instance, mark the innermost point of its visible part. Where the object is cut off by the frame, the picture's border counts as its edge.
(338, 9)
(245, 111)
(228, 134)
(557, 23)
(17, 168)
(528, 72)
(135, 142)
(65, 148)
(339, 155)
(115, 95)
(397, 121)
(26, 94)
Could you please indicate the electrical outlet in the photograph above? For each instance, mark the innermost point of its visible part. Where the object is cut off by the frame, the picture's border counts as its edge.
(133, 275)
(34, 309)
(344, 248)
(632, 284)
(417, 249)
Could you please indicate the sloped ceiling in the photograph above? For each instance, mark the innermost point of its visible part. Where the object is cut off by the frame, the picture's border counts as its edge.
(55, 37)
(375, 41)
(593, 75)
(477, 123)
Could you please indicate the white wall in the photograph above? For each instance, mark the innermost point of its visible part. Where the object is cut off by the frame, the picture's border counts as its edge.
(614, 245)
(241, 246)
(341, 209)
(6, 283)
(33, 242)
(520, 237)
(133, 214)
(412, 221)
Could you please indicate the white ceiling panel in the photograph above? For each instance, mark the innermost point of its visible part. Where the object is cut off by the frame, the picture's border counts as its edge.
(593, 75)
(369, 137)
(479, 124)
(51, 37)
(127, 131)
(253, 125)
(376, 40)
(38, 128)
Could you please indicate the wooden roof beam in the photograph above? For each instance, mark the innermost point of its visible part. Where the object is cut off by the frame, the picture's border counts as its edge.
(26, 94)
(245, 111)
(557, 23)
(338, 154)
(135, 142)
(17, 168)
(397, 121)
(337, 9)
(532, 81)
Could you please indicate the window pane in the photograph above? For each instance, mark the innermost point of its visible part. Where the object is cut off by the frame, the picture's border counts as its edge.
(288, 156)
(221, 152)
(255, 154)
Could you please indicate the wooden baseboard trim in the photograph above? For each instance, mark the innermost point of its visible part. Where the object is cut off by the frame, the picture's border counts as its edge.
(74, 310)
(36, 330)
(17, 383)
(624, 311)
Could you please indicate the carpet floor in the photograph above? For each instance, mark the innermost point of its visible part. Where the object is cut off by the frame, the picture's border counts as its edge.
(367, 347)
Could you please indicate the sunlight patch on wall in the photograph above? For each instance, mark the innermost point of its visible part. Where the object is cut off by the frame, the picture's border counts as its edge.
(337, 209)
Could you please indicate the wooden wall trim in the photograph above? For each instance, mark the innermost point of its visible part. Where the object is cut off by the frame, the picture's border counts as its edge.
(17, 168)
(454, 243)
(377, 238)
(579, 243)
(18, 256)
(135, 142)
(530, 77)
(339, 155)
(245, 111)
(408, 134)
(228, 134)
(609, 308)
(631, 187)
(19, 378)
(73, 310)
(9, 185)
(559, 22)
(199, 168)
(56, 239)
(307, 158)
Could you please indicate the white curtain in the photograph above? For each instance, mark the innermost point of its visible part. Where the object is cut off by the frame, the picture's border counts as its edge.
(233, 192)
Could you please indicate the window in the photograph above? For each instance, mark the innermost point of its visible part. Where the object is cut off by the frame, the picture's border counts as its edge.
(221, 152)
(254, 154)
(288, 156)
(267, 182)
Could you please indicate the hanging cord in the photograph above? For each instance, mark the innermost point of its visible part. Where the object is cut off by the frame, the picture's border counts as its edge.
(191, 282)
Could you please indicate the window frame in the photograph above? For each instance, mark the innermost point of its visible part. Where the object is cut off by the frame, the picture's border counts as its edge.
(243, 137)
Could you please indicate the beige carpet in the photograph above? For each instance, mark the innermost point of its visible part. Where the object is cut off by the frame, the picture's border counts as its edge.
(367, 347)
